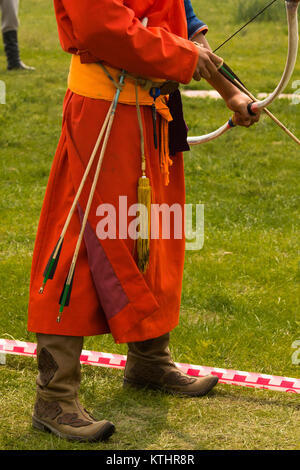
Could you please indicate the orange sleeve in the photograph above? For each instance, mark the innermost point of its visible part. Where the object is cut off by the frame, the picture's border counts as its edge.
(111, 32)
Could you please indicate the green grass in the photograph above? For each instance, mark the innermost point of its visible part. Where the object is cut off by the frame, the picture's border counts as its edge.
(257, 55)
(240, 300)
(247, 9)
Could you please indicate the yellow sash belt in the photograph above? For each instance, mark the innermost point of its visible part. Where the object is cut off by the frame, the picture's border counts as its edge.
(90, 80)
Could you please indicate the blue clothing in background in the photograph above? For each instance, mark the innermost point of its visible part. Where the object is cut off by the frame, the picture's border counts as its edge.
(194, 24)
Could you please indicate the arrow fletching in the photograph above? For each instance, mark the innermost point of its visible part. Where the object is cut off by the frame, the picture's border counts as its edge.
(65, 295)
(228, 73)
(52, 264)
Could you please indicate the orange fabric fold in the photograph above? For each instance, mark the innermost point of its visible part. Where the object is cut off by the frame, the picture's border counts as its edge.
(110, 294)
(153, 299)
(111, 31)
(91, 81)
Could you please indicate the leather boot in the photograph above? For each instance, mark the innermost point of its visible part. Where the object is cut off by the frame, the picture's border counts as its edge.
(11, 47)
(57, 408)
(149, 364)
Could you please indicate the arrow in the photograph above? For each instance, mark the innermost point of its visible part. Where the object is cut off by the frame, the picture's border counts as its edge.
(226, 71)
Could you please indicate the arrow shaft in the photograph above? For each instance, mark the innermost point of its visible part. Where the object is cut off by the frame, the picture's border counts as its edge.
(86, 173)
(111, 115)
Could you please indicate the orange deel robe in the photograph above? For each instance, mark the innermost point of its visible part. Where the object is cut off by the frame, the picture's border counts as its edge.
(110, 294)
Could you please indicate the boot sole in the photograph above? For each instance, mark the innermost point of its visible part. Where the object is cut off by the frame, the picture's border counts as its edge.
(103, 434)
(139, 386)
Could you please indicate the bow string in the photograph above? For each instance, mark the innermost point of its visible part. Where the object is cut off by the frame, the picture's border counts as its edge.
(227, 72)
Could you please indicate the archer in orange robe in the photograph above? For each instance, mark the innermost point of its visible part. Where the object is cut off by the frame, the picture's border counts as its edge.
(110, 294)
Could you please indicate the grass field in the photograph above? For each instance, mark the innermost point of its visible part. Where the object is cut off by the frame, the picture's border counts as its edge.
(240, 301)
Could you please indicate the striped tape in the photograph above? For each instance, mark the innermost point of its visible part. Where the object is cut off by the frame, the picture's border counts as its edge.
(117, 361)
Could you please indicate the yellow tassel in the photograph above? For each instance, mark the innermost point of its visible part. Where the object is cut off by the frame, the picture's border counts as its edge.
(143, 241)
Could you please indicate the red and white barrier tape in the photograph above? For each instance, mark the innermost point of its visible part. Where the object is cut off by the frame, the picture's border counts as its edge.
(117, 361)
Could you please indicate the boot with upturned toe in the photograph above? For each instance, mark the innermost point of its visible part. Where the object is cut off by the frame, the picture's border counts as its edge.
(57, 408)
(68, 420)
(149, 365)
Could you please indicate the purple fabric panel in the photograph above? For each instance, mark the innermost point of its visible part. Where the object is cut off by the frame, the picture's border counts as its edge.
(110, 292)
(177, 128)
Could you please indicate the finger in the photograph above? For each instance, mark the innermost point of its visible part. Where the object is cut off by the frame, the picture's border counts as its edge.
(242, 121)
(203, 70)
(255, 118)
(218, 63)
(211, 67)
(216, 60)
(245, 115)
(197, 76)
(255, 115)
(208, 62)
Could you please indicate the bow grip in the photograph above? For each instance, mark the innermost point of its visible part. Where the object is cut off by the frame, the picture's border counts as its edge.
(231, 122)
(252, 109)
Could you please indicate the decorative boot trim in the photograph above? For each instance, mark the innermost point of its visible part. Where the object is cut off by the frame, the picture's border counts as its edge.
(47, 367)
(69, 420)
(176, 377)
(47, 409)
(51, 410)
(149, 364)
(154, 373)
(72, 419)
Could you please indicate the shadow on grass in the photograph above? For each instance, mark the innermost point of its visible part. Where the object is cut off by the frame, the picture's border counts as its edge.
(263, 401)
(146, 417)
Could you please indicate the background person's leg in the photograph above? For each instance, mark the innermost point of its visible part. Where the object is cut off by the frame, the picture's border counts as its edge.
(10, 20)
(9, 26)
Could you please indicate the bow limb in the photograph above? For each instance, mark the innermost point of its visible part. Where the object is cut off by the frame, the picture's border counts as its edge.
(292, 19)
(203, 139)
